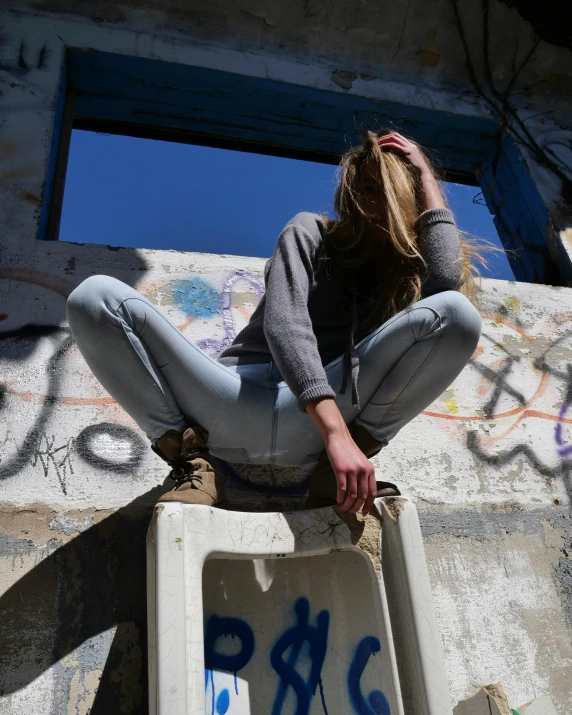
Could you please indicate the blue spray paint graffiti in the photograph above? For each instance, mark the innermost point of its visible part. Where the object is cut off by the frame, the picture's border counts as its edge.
(294, 638)
(236, 628)
(196, 297)
(222, 702)
(291, 642)
(379, 706)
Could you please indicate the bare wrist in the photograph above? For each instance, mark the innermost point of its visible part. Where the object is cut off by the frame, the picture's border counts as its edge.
(427, 177)
(325, 414)
(432, 194)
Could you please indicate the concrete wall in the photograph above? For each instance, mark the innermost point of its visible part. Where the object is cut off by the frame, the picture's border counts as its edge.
(488, 463)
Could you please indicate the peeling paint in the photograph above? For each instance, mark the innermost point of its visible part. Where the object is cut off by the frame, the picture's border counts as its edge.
(394, 506)
(69, 525)
(451, 405)
(343, 79)
(428, 57)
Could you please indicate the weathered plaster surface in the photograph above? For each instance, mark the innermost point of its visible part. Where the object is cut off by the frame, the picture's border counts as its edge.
(73, 635)
(497, 578)
(488, 463)
(500, 432)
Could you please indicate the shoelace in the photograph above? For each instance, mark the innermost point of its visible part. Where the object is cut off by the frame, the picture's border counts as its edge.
(183, 469)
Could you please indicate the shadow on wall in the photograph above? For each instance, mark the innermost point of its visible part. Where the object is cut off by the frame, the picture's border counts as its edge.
(33, 307)
(87, 586)
(97, 580)
(82, 589)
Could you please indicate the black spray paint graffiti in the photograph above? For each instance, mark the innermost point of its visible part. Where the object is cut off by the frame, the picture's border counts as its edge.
(499, 460)
(104, 446)
(59, 458)
(501, 385)
(24, 339)
(498, 378)
(112, 447)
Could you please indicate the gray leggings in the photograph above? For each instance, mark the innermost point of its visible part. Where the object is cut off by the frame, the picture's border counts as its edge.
(165, 382)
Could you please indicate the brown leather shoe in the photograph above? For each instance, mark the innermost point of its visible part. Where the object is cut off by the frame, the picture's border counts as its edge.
(323, 485)
(197, 480)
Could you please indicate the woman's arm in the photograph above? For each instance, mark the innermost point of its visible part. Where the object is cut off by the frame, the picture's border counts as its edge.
(432, 196)
(287, 325)
(439, 242)
(354, 472)
(289, 332)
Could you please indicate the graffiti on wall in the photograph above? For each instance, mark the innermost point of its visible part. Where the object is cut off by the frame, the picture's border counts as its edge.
(105, 445)
(516, 379)
(199, 299)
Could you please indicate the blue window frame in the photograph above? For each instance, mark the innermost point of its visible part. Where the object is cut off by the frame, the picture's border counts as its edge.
(156, 99)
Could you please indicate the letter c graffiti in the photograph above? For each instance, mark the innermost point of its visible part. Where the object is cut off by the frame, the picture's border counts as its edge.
(367, 647)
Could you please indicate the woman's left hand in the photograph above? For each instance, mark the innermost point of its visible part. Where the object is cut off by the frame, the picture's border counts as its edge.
(433, 198)
(405, 148)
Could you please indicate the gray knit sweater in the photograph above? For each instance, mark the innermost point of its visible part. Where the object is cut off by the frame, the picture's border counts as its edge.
(307, 317)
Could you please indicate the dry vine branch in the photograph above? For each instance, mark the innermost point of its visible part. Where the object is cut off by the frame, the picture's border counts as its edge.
(499, 104)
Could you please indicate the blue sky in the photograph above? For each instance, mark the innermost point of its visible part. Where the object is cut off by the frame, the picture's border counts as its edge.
(141, 193)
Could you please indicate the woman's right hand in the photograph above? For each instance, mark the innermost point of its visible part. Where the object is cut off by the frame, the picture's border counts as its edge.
(354, 472)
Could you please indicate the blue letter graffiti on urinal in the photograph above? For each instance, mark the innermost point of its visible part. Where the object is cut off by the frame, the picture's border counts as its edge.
(290, 644)
(222, 702)
(367, 647)
(294, 638)
(215, 628)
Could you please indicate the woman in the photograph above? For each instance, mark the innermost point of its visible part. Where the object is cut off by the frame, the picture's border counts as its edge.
(368, 302)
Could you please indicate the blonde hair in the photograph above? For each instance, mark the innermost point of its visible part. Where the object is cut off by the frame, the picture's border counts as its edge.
(397, 261)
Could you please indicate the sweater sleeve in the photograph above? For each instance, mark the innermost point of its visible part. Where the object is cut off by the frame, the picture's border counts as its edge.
(287, 324)
(440, 246)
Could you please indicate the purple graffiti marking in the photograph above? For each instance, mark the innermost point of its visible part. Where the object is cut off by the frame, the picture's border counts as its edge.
(214, 345)
(564, 450)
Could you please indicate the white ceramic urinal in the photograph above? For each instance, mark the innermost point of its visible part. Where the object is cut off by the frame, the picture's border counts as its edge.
(281, 614)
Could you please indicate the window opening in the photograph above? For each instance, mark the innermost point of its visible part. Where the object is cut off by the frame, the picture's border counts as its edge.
(144, 193)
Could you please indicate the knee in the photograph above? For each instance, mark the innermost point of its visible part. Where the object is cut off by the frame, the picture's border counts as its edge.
(461, 319)
(90, 298)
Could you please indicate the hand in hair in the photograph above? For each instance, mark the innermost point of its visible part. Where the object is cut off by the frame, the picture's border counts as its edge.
(433, 198)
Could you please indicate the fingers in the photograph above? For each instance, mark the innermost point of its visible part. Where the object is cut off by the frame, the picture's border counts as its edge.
(407, 149)
(350, 492)
(342, 483)
(372, 489)
(362, 487)
(394, 136)
(395, 141)
(399, 148)
(360, 490)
